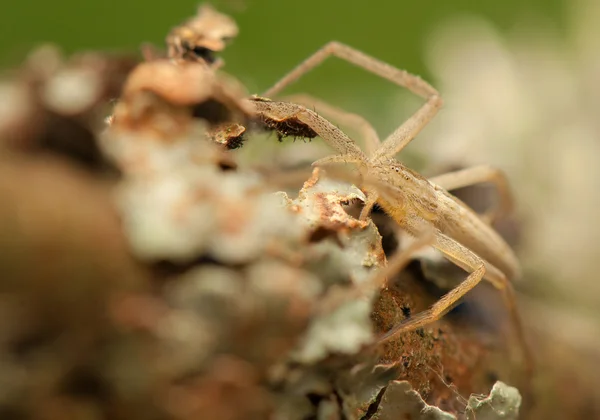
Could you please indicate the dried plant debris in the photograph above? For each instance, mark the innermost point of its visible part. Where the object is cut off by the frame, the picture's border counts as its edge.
(201, 36)
(230, 135)
(55, 105)
(209, 95)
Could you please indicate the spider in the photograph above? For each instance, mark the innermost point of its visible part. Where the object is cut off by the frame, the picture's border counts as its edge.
(422, 207)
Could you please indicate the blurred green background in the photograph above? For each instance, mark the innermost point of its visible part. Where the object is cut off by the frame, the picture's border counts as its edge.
(274, 35)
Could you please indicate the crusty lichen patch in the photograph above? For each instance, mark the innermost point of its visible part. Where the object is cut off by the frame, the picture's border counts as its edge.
(502, 403)
(399, 400)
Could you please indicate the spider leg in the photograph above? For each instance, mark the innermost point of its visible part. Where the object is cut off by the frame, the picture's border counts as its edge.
(478, 269)
(333, 136)
(476, 175)
(400, 77)
(407, 131)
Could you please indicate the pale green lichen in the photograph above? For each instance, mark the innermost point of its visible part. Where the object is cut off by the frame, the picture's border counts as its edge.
(502, 403)
(401, 401)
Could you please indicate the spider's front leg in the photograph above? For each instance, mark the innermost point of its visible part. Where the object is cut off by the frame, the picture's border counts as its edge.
(287, 111)
(353, 121)
(384, 70)
(407, 131)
